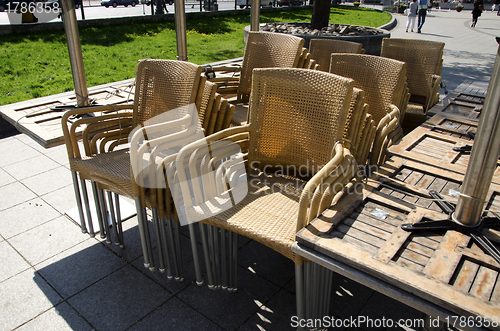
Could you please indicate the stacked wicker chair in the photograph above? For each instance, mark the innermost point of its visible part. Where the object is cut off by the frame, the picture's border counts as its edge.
(383, 81)
(161, 85)
(424, 61)
(322, 49)
(294, 155)
(262, 50)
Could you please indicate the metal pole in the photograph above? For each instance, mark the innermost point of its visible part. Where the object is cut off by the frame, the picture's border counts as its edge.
(255, 15)
(484, 156)
(180, 30)
(75, 52)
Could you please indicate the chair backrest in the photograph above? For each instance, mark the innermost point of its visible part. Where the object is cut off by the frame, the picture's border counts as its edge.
(382, 79)
(296, 117)
(321, 50)
(162, 85)
(267, 50)
(423, 59)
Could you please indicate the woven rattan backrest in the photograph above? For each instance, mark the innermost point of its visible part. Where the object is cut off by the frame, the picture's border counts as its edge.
(321, 50)
(268, 50)
(381, 79)
(162, 85)
(296, 117)
(423, 58)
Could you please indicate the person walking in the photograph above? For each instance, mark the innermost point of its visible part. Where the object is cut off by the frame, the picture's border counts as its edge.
(476, 12)
(497, 2)
(422, 12)
(412, 15)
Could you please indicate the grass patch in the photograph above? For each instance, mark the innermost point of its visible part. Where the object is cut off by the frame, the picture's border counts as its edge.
(37, 64)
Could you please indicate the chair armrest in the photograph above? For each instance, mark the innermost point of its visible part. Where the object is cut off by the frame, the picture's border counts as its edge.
(198, 157)
(434, 97)
(387, 124)
(69, 128)
(330, 170)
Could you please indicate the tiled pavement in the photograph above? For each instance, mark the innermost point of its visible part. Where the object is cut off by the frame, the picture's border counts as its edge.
(53, 277)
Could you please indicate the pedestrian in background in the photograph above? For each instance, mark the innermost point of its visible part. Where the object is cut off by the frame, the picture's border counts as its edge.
(476, 12)
(422, 12)
(412, 15)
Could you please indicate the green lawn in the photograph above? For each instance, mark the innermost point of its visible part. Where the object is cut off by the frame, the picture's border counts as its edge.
(37, 64)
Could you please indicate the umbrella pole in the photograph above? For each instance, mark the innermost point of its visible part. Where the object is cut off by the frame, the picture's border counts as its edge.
(75, 52)
(180, 30)
(484, 156)
(255, 15)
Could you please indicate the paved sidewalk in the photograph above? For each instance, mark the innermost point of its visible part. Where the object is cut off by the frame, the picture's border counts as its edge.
(53, 277)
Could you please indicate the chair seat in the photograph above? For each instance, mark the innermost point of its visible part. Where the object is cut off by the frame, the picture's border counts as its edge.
(240, 114)
(113, 170)
(268, 213)
(414, 117)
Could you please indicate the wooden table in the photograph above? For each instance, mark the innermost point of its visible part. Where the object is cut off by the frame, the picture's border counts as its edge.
(439, 273)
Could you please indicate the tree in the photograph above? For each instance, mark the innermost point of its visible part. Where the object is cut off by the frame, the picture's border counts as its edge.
(320, 14)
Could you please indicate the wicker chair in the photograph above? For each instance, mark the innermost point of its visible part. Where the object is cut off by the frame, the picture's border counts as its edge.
(321, 50)
(424, 61)
(161, 85)
(262, 50)
(383, 81)
(294, 153)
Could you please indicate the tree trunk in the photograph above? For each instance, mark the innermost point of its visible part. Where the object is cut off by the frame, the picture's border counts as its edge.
(320, 14)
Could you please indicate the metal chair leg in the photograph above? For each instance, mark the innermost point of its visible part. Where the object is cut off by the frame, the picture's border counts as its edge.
(167, 223)
(85, 194)
(98, 209)
(207, 256)
(79, 201)
(113, 218)
(104, 213)
(299, 290)
(140, 222)
(235, 262)
(196, 259)
(119, 221)
(223, 258)
(148, 239)
(159, 243)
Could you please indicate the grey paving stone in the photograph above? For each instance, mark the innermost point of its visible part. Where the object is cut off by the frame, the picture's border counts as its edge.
(48, 181)
(58, 154)
(175, 315)
(62, 199)
(12, 262)
(79, 267)
(5, 178)
(47, 240)
(132, 240)
(31, 142)
(266, 263)
(276, 314)
(14, 151)
(14, 194)
(24, 297)
(230, 310)
(61, 318)
(380, 306)
(18, 219)
(188, 270)
(348, 297)
(119, 300)
(31, 167)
